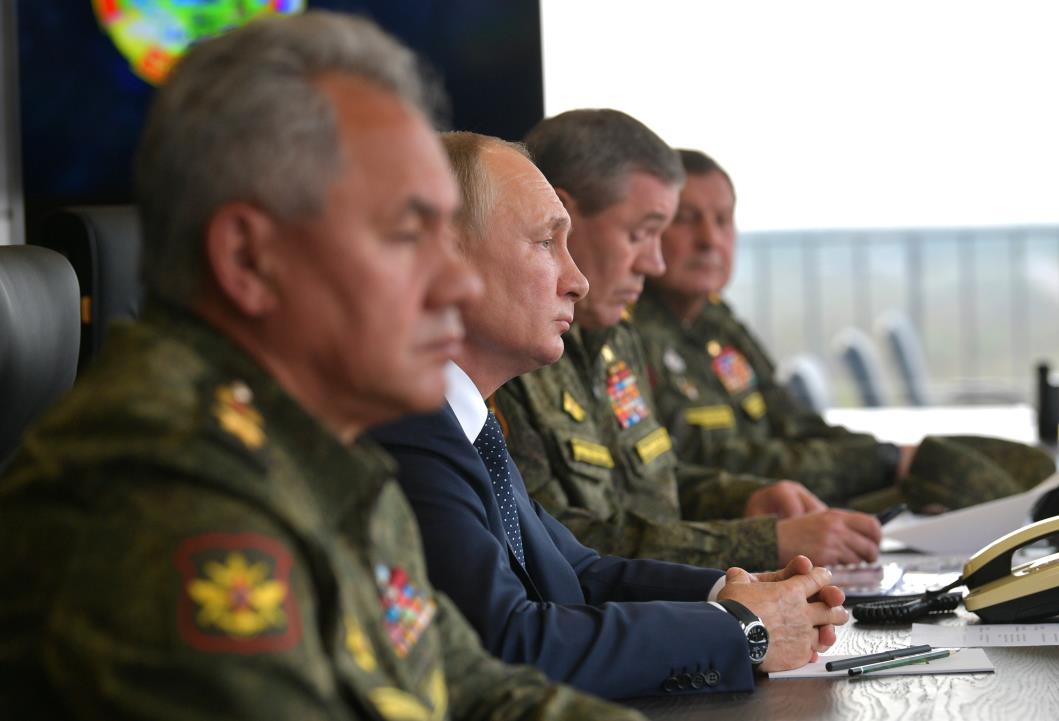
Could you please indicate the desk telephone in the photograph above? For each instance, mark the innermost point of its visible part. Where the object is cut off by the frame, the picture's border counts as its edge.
(998, 593)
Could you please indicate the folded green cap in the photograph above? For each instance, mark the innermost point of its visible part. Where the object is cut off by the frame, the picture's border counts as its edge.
(959, 471)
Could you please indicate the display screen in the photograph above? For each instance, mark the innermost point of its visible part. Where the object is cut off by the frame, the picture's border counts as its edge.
(88, 69)
(153, 35)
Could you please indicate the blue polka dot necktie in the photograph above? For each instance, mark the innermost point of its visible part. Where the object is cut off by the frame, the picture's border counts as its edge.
(491, 447)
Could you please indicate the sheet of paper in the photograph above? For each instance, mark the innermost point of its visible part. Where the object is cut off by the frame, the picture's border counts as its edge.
(908, 426)
(968, 529)
(972, 660)
(985, 634)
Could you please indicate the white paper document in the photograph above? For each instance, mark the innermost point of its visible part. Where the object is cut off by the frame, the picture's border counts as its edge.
(968, 529)
(986, 634)
(972, 660)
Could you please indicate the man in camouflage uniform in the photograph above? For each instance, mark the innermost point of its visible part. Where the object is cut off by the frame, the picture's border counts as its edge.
(716, 389)
(191, 533)
(584, 431)
(714, 385)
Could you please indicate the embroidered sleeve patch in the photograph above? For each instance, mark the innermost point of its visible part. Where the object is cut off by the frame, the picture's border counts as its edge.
(591, 453)
(710, 417)
(653, 445)
(236, 595)
(733, 370)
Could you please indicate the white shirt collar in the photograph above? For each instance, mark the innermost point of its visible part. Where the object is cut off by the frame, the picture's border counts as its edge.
(466, 401)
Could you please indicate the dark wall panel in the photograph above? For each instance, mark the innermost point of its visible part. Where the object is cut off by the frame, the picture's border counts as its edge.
(82, 107)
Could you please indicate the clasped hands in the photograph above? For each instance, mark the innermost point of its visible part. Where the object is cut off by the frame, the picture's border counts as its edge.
(798, 606)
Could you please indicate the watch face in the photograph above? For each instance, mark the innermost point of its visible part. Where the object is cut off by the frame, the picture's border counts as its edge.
(758, 640)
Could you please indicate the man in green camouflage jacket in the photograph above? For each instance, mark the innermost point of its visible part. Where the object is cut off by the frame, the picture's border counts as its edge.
(192, 532)
(584, 432)
(714, 384)
(717, 392)
(716, 389)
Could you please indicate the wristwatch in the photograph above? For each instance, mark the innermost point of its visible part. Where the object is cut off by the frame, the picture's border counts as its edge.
(757, 636)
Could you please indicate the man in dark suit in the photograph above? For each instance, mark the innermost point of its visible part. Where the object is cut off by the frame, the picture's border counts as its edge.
(613, 626)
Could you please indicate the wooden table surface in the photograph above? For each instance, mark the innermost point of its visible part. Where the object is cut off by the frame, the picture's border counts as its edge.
(1024, 687)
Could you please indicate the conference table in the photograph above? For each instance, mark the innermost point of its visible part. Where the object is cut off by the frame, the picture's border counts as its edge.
(1024, 687)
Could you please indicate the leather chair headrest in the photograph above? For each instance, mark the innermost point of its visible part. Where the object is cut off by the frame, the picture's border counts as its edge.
(103, 245)
(40, 335)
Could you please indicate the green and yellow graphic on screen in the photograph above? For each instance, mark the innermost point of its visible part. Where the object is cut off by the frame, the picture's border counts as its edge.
(152, 34)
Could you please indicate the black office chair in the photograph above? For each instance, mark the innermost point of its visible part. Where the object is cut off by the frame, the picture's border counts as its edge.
(103, 245)
(857, 353)
(40, 336)
(906, 351)
(909, 359)
(806, 379)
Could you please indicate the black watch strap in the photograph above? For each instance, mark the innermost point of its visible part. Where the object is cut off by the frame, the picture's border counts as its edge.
(744, 614)
(757, 638)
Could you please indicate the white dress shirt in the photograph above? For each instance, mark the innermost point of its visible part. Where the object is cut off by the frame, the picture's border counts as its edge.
(466, 402)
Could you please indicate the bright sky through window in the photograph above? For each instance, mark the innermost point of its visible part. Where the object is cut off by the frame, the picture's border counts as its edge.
(833, 113)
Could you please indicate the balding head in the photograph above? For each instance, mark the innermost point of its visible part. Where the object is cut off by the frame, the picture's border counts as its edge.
(467, 153)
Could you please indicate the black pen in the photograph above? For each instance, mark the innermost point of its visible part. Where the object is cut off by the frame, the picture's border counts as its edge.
(845, 663)
(891, 513)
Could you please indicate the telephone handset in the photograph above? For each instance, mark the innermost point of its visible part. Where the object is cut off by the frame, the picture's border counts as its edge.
(1027, 592)
(998, 593)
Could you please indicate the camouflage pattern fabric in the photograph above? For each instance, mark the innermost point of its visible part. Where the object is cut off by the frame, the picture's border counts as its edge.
(959, 471)
(717, 392)
(182, 541)
(587, 439)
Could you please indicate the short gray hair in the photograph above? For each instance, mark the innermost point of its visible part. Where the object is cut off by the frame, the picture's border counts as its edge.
(696, 162)
(240, 119)
(477, 189)
(590, 153)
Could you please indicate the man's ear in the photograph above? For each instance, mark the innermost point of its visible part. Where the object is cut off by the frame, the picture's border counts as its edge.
(568, 202)
(241, 255)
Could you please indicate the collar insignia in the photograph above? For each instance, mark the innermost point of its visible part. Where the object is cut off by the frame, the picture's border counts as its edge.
(572, 407)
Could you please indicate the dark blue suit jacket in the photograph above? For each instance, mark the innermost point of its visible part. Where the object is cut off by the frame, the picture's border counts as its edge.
(611, 626)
